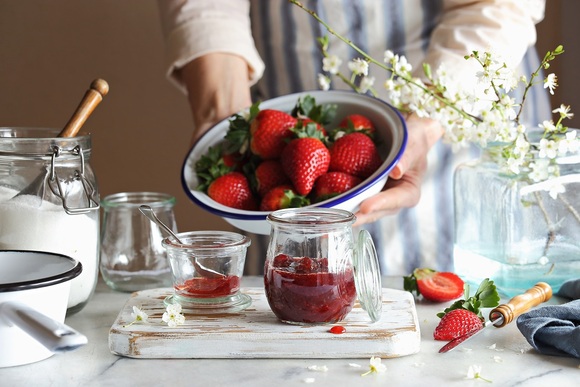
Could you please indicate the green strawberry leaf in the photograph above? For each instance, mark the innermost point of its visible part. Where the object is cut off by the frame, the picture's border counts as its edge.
(486, 296)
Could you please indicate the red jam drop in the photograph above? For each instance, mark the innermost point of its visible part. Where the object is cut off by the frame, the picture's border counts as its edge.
(202, 287)
(302, 290)
(337, 329)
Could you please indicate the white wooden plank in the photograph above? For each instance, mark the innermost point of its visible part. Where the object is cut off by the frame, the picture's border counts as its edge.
(256, 332)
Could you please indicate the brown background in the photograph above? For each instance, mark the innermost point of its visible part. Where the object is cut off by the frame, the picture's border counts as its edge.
(50, 51)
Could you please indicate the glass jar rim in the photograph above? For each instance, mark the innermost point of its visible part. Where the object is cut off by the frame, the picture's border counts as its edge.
(39, 143)
(314, 217)
(135, 199)
(213, 240)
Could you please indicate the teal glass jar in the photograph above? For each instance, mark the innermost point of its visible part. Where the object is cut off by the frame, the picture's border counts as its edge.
(514, 230)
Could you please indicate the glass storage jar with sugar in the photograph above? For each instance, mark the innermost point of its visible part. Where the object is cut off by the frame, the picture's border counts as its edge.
(49, 200)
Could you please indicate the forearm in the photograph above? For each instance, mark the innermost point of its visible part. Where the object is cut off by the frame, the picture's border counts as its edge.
(217, 86)
(198, 27)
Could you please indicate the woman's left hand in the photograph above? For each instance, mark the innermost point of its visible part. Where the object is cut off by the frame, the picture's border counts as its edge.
(403, 188)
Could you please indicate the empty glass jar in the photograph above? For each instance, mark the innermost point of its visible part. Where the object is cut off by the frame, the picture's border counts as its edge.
(132, 257)
(315, 269)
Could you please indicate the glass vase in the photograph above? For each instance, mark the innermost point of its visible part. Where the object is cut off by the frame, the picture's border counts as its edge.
(515, 231)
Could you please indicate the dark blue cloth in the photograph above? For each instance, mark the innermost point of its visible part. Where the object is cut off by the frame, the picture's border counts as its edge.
(555, 329)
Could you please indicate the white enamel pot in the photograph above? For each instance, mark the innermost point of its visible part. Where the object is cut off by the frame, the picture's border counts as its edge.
(34, 290)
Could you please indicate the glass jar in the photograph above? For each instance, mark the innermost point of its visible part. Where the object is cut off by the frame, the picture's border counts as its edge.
(132, 257)
(514, 231)
(207, 269)
(314, 269)
(49, 201)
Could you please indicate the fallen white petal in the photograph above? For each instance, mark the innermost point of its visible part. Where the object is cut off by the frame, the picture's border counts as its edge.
(318, 368)
(354, 365)
(309, 380)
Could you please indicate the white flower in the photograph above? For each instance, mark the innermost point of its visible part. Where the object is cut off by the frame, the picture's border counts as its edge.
(539, 170)
(366, 83)
(564, 111)
(138, 316)
(554, 189)
(569, 144)
(548, 148)
(474, 372)
(331, 64)
(390, 56)
(375, 366)
(323, 82)
(551, 82)
(173, 316)
(359, 66)
(548, 126)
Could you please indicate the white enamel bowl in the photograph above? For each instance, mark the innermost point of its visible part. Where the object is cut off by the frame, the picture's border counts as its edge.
(389, 124)
(34, 290)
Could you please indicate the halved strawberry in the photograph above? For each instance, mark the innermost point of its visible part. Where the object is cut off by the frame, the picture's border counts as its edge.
(233, 190)
(356, 154)
(435, 286)
(332, 184)
(457, 323)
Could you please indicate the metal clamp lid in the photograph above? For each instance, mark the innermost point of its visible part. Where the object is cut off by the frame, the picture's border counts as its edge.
(56, 187)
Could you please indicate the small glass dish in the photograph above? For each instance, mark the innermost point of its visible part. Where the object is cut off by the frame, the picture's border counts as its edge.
(207, 269)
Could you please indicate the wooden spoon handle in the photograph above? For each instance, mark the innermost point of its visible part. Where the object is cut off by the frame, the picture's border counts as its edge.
(99, 88)
(521, 303)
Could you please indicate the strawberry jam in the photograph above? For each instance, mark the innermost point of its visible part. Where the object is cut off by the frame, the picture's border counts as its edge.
(302, 290)
(202, 287)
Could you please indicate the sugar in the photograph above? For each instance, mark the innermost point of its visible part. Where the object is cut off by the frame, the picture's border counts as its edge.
(26, 223)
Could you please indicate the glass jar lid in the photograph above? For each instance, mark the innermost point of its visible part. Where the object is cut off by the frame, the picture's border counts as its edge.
(367, 276)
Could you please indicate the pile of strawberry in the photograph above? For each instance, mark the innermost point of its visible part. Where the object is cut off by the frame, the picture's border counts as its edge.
(464, 315)
(273, 159)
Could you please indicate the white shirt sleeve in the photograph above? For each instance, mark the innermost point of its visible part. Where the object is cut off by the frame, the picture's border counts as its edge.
(504, 27)
(196, 27)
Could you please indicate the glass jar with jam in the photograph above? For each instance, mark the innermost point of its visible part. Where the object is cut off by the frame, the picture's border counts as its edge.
(315, 269)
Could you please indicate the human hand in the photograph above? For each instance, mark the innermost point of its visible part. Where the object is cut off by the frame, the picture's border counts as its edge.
(217, 87)
(403, 188)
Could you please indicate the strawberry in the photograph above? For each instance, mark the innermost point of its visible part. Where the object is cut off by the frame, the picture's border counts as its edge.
(332, 184)
(457, 323)
(280, 197)
(357, 122)
(267, 175)
(486, 296)
(269, 131)
(232, 190)
(307, 107)
(305, 159)
(355, 154)
(435, 286)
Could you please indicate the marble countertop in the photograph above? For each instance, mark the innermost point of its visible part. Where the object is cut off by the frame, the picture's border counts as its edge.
(503, 354)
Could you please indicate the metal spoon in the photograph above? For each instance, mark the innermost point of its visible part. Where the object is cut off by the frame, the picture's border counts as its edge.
(204, 271)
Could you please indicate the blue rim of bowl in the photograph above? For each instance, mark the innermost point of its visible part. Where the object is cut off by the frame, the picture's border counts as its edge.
(261, 215)
(36, 283)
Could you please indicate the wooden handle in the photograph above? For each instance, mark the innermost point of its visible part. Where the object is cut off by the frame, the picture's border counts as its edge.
(99, 88)
(539, 293)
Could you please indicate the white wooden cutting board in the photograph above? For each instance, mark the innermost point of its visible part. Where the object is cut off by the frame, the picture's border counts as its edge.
(256, 332)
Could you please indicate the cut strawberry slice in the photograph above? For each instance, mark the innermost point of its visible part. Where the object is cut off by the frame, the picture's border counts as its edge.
(435, 286)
